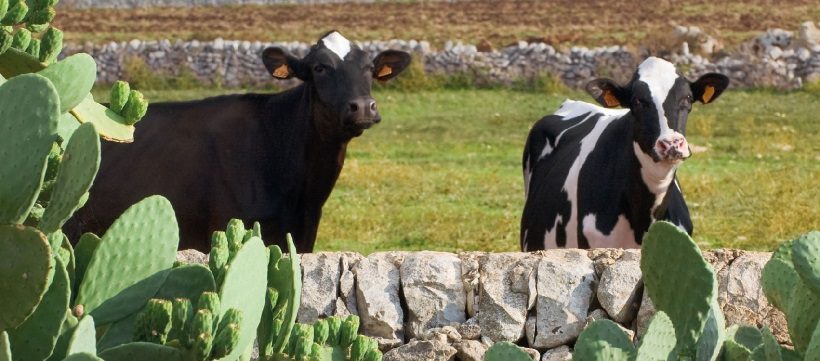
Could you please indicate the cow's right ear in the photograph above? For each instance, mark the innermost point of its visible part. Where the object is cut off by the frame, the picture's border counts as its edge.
(280, 64)
(608, 93)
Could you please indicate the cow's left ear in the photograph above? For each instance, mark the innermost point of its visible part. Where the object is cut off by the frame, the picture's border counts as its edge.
(708, 87)
(608, 93)
(280, 64)
(389, 64)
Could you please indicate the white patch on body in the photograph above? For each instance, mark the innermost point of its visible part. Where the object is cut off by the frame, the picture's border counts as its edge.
(621, 236)
(656, 175)
(337, 44)
(527, 176)
(660, 75)
(574, 109)
(547, 149)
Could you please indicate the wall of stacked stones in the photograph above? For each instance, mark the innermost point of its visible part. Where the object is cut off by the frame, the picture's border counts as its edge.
(445, 306)
(130, 4)
(776, 58)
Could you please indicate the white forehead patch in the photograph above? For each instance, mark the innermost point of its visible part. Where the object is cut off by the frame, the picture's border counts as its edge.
(659, 74)
(337, 44)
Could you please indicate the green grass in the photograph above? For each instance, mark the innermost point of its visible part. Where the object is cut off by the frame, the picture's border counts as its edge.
(442, 171)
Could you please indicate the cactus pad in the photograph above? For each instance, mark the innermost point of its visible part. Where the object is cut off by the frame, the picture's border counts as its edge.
(5, 347)
(29, 109)
(84, 337)
(286, 276)
(81, 161)
(244, 288)
(803, 315)
(109, 124)
(779, 278)
(806, 259)
(813, 350)
(506, 351)
(24, 274)
(142, 242)
(602, 340)
(141, 351)
(35, 338)
(659, 340)
(73, 77)
(666, 250)
(83, 356)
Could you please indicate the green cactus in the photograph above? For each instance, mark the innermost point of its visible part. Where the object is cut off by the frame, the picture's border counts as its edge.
(135, 108)
(226, 339)
(183, 314)
(73, 78)
(659, 340)
(109, 124)
(41, 16)
(202, 346)
(76, 173)
(154, 323)
(285, 275)
(320, 331)
(141, 351)
(119, 96)
(36, 337)
(51, 45)
(4, 7)
(203, 322)
(219, 255)
(27, 271)
(236, 234)
(601, 340)
(27, 131)
(21, 39)
(83, 338)
(16, 14)
(334, 326)
(662, 243)
(508, 351)
(33, 48)
(6, 41)
(361, 346)
(806, 259)
(209, 301)
(187, 281)
(5, 347)
(348, 330)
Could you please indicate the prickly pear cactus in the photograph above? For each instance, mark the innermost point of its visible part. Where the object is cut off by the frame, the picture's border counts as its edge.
(331, 339)
(282, 302)
(602, 340)
(507, 351)
(26, 272)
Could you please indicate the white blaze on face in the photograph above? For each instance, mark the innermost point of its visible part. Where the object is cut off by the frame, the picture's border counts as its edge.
(337, 44)
(660, 75)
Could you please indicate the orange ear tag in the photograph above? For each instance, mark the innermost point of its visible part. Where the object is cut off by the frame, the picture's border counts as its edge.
(708, 93)
(385, 71)
(610, 100)
(281, 72)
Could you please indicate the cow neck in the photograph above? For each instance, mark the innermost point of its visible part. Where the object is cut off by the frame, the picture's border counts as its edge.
(652, 177)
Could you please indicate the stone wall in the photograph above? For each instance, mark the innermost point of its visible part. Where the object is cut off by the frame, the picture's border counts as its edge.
(130, 4)
(434, 305)
(775, 58)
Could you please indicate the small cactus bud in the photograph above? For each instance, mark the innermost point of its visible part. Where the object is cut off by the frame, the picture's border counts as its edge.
(226, 340)
(202, 345)
(119, 96)
(348, 331)
(15, 14)
(180, 322)
(247, 236)
(42, 4)
(316, 351)
(37, 28)
(135, 108)
(159, 320)
(232, 315)
(303, 334)
(360, 347)
(22, 37)
(373, 355)
(276, 328)
(334, 327)
(203, 322)
(209, 301)
(34, 48)
(4, 7)
(217, 260)
(41, 16)
(6, 39)
(320, 331)
(51, 45)
(257, 230)
(272, 297)
(236, 233)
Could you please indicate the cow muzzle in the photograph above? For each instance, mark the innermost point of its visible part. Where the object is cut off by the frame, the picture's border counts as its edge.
(362, 112)
(672, 148)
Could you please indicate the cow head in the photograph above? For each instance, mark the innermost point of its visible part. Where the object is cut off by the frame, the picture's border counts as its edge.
(660, 100)
(340, 75)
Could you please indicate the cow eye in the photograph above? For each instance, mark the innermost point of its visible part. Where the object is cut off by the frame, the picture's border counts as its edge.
(318, 68)
(686, 103)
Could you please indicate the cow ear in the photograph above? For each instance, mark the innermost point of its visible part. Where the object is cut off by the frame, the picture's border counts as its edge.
(708, 87)
(389, 64)
(608, 93)
(280, 64)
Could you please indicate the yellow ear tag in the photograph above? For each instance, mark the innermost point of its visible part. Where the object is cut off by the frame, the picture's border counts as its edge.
(708, 93)
(610, 100)
(385, 71)
(281, 72)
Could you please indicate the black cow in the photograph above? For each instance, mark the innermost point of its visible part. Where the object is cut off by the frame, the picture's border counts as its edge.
(597, 177)
(272, 158)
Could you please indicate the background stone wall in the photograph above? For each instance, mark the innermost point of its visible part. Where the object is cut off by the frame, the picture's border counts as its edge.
(775, 58)
(129, 4)
(436, 306)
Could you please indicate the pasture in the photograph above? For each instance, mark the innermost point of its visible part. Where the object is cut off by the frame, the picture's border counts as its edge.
(442, 171)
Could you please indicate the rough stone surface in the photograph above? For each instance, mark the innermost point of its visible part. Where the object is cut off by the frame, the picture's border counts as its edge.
(534, 354)
(504, 297)
(471, 278)
(645, 313)
(192, 256)
(470, 329)
(470, 350)
(422, 350)
(620, 286)
(557, 354)
(565, 287)
(320, 285)
(346, 300)
(433, 291)
(377, 296)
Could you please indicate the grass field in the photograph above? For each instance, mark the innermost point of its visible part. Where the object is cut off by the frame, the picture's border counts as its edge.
(442, 171)
(580, 22)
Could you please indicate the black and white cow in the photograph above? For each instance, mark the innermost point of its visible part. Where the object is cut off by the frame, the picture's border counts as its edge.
(271, 158)
(598, 177)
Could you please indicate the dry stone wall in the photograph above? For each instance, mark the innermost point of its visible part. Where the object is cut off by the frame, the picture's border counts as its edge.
(445, 306)
(130, 4)
(775, 58)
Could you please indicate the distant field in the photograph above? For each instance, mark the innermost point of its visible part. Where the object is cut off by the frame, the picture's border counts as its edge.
(584, 22)
(442, 172)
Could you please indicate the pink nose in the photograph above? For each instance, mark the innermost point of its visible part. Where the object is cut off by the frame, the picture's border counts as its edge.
(673, 147)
